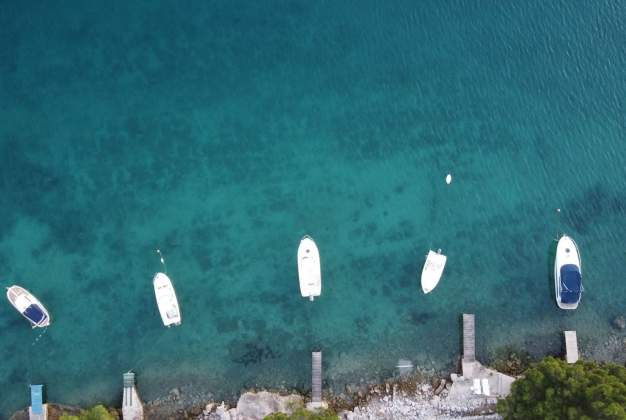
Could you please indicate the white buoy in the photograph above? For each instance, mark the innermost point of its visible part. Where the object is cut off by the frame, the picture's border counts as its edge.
(158, 251)
(448, 179)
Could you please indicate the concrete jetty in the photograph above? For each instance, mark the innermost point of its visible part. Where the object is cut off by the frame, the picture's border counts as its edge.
(37, 410)
(571, 347)
(469, 338)
(316, 382)
(476, 378)
(132, 408)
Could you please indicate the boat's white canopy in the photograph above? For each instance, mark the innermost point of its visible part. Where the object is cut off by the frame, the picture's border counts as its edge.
(22, 302)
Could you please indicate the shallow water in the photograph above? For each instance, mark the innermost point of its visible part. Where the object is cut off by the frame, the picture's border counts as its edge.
(221, 132)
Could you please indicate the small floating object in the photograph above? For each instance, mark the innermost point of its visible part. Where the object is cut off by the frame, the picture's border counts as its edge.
(432, 271)
(29, 306)
(404, 366)
(309, 268)
(448, 179)
(166, 300)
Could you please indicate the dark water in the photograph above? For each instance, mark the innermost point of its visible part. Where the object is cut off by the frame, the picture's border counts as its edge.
(222, 131)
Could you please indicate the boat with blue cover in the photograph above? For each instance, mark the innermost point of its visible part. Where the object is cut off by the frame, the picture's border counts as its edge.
(568, 284)
(29, 306)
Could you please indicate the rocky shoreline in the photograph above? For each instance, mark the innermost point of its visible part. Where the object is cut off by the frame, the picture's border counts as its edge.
(408, 397)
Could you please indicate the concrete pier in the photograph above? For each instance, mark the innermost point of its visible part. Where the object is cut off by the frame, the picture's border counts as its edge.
(571, 347)
(132, 408)
(316, 381)
(469, 341)
(475, 378)
(37, 410)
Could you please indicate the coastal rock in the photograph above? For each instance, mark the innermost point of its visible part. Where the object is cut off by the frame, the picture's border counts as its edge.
(255, 406)
(221, 412)
(619, 322)
(441, 386)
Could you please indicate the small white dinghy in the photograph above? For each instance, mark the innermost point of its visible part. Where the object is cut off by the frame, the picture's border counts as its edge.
(432, 271)
(309, 269)
(29, 306)
(166, 300)
(568, 285)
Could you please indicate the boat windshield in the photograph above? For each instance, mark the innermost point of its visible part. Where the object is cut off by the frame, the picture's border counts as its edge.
(35, 314)
(571, 283)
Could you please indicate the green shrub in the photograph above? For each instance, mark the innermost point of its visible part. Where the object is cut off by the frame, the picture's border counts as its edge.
(555, 390)
(98, 412)
(302, 414)
(511, 361)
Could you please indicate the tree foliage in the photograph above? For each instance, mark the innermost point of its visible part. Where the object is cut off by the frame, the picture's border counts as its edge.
(98, 412)
(302, 414)
(555, 390)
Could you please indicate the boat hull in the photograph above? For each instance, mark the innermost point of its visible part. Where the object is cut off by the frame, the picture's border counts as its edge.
(567, 256)
(432, 270)
(28, 306)
(166, 299)
(309, 268)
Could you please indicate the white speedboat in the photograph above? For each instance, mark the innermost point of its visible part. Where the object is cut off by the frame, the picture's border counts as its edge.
(568, 284)
(166, 300)
(309, 269)
(29, 306)
(432, 271)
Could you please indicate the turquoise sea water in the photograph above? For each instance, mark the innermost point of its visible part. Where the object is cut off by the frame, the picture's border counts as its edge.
(223, 131)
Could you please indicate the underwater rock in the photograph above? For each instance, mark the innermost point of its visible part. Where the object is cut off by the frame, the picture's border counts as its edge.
(254, 353)
(619, 322)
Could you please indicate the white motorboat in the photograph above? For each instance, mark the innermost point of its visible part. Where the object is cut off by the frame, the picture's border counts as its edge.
(29, 306)
(433, 269)
(309, 268)
(166, 300)
(568, 284)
